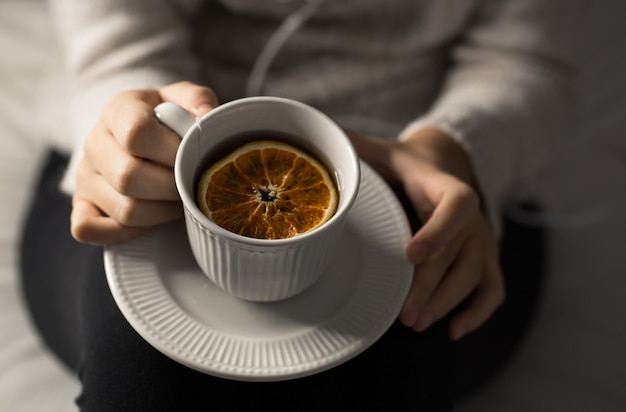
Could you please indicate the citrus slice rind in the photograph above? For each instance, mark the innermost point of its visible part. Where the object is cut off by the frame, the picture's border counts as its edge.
(267, 189)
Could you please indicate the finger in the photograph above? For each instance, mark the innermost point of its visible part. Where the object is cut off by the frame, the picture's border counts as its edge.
(125, 210)
(89, 225)
(426, 279)
(130, 119)
(374, 151)
(196, 99)
(488, 297)
(459, 282)
(127, 174)
(454, 207)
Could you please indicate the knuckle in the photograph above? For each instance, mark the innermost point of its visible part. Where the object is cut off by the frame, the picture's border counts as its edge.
(136, 133)
(115, 100)
(126, 211)
(186, 84)
(190, 87)
(190, 90)
(126, 177)
(468, 197)
(116, 104)
(80, 231)
(208, 94)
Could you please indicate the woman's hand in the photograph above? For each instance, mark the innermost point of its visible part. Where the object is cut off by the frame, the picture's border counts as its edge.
(455, 253)
(125, 181)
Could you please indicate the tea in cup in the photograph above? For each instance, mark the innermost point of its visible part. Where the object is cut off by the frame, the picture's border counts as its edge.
(266, 184)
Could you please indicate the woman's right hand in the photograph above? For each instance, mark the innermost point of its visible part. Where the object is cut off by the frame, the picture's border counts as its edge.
(125, 180)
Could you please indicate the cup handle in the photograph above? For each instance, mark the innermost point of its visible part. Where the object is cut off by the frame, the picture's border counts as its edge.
(175, 117)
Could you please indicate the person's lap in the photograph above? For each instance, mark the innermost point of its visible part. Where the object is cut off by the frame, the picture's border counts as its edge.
(66, 290)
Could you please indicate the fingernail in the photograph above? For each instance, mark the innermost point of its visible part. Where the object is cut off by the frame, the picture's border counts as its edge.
(424, 322)
(419, 253)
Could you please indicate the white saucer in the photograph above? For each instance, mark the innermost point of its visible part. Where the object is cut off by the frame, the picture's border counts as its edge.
(172, 304)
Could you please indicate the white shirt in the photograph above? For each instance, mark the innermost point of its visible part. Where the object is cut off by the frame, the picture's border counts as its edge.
(497, 75)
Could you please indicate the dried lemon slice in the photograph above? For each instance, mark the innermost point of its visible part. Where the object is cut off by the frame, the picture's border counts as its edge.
(267, 189)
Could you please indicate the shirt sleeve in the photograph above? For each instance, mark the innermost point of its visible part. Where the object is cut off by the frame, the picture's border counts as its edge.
(509, 96)
(112, 45)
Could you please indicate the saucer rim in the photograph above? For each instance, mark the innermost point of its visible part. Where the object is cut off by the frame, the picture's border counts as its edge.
(238, 372)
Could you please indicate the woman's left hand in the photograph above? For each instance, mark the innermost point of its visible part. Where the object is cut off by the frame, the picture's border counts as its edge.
(455, 253)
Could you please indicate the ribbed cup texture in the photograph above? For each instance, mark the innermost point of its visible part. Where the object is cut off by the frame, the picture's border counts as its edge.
(260, 273)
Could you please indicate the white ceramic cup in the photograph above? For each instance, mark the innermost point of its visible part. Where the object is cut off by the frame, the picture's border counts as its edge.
(249, 268)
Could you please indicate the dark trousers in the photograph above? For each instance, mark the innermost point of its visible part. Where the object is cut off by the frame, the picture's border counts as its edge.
(70, 302)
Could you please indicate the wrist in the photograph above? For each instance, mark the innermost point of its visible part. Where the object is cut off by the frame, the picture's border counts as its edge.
(442, 151)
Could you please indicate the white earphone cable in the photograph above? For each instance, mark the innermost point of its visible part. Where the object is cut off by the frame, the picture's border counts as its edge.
(288, 27)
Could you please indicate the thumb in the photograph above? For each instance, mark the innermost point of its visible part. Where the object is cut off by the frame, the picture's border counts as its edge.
(196, 99)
